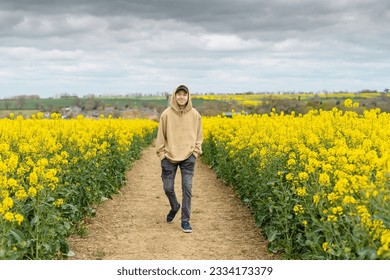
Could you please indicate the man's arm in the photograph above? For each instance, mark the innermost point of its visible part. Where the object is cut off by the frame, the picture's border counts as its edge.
(199, 138)
(160, 141)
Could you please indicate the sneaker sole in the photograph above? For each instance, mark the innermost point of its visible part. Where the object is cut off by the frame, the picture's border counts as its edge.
(187, 230)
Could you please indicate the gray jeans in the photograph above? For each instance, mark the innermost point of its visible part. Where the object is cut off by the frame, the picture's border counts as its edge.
(168, 177)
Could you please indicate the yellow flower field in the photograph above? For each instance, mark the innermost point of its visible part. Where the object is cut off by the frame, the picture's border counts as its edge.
(52, 173)
(318, 183)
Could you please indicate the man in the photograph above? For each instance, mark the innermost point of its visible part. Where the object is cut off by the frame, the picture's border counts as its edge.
(178, 144)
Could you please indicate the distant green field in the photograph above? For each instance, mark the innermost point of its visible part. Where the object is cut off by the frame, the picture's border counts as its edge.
(209, 104)
(56, 103)
(52, 104)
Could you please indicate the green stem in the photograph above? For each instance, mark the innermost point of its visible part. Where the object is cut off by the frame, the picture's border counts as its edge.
(36, 213)
(2, 246)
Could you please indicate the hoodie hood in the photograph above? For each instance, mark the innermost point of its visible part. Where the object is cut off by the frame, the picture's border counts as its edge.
(173, 102)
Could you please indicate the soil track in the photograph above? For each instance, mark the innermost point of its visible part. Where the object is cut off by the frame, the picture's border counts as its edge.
(132, 226)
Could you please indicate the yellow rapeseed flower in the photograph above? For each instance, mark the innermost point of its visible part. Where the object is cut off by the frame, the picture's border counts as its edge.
(9, 216)
(324, 179)
(316, 199)
(32, 192)
(19, 218)
(289, 177)
(58, 202)
(21, 194)
(348, 103)
(303, 176)
(331, 218)
(349, 200)
(291, 162)
(385, 242)
(298, 209)
(301, 191)
(8, 203)
(338, 210)
(33, 178)
(325, 246)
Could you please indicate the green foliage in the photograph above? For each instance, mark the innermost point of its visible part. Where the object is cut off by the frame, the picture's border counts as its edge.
(83, 184)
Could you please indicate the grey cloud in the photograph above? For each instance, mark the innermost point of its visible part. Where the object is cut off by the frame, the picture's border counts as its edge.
(238, 43)
(265, 20)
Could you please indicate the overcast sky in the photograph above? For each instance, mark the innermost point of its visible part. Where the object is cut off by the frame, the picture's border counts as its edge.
(49, 47)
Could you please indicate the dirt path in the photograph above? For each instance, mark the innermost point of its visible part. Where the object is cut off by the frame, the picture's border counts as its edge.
(132, 225)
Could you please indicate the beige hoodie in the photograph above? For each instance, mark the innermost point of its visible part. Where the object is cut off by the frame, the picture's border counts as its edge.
(179, 132)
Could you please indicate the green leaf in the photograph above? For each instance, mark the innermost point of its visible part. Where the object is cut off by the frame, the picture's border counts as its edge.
(18, 235)
(367, 253)
(272, 234)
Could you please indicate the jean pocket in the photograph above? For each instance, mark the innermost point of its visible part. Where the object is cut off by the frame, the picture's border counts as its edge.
(188, 165)
(168, 169)
(192, 159)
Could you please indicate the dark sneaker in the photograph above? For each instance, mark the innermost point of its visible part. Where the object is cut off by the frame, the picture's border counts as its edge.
(186, 227)
(171, 215)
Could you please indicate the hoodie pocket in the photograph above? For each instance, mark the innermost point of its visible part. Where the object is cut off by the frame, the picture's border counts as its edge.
(180, 152)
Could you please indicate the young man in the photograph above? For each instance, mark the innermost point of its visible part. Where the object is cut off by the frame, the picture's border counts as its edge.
(178, 144)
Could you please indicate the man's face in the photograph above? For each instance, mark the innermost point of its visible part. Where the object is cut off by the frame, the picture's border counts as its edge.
(181, 97)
